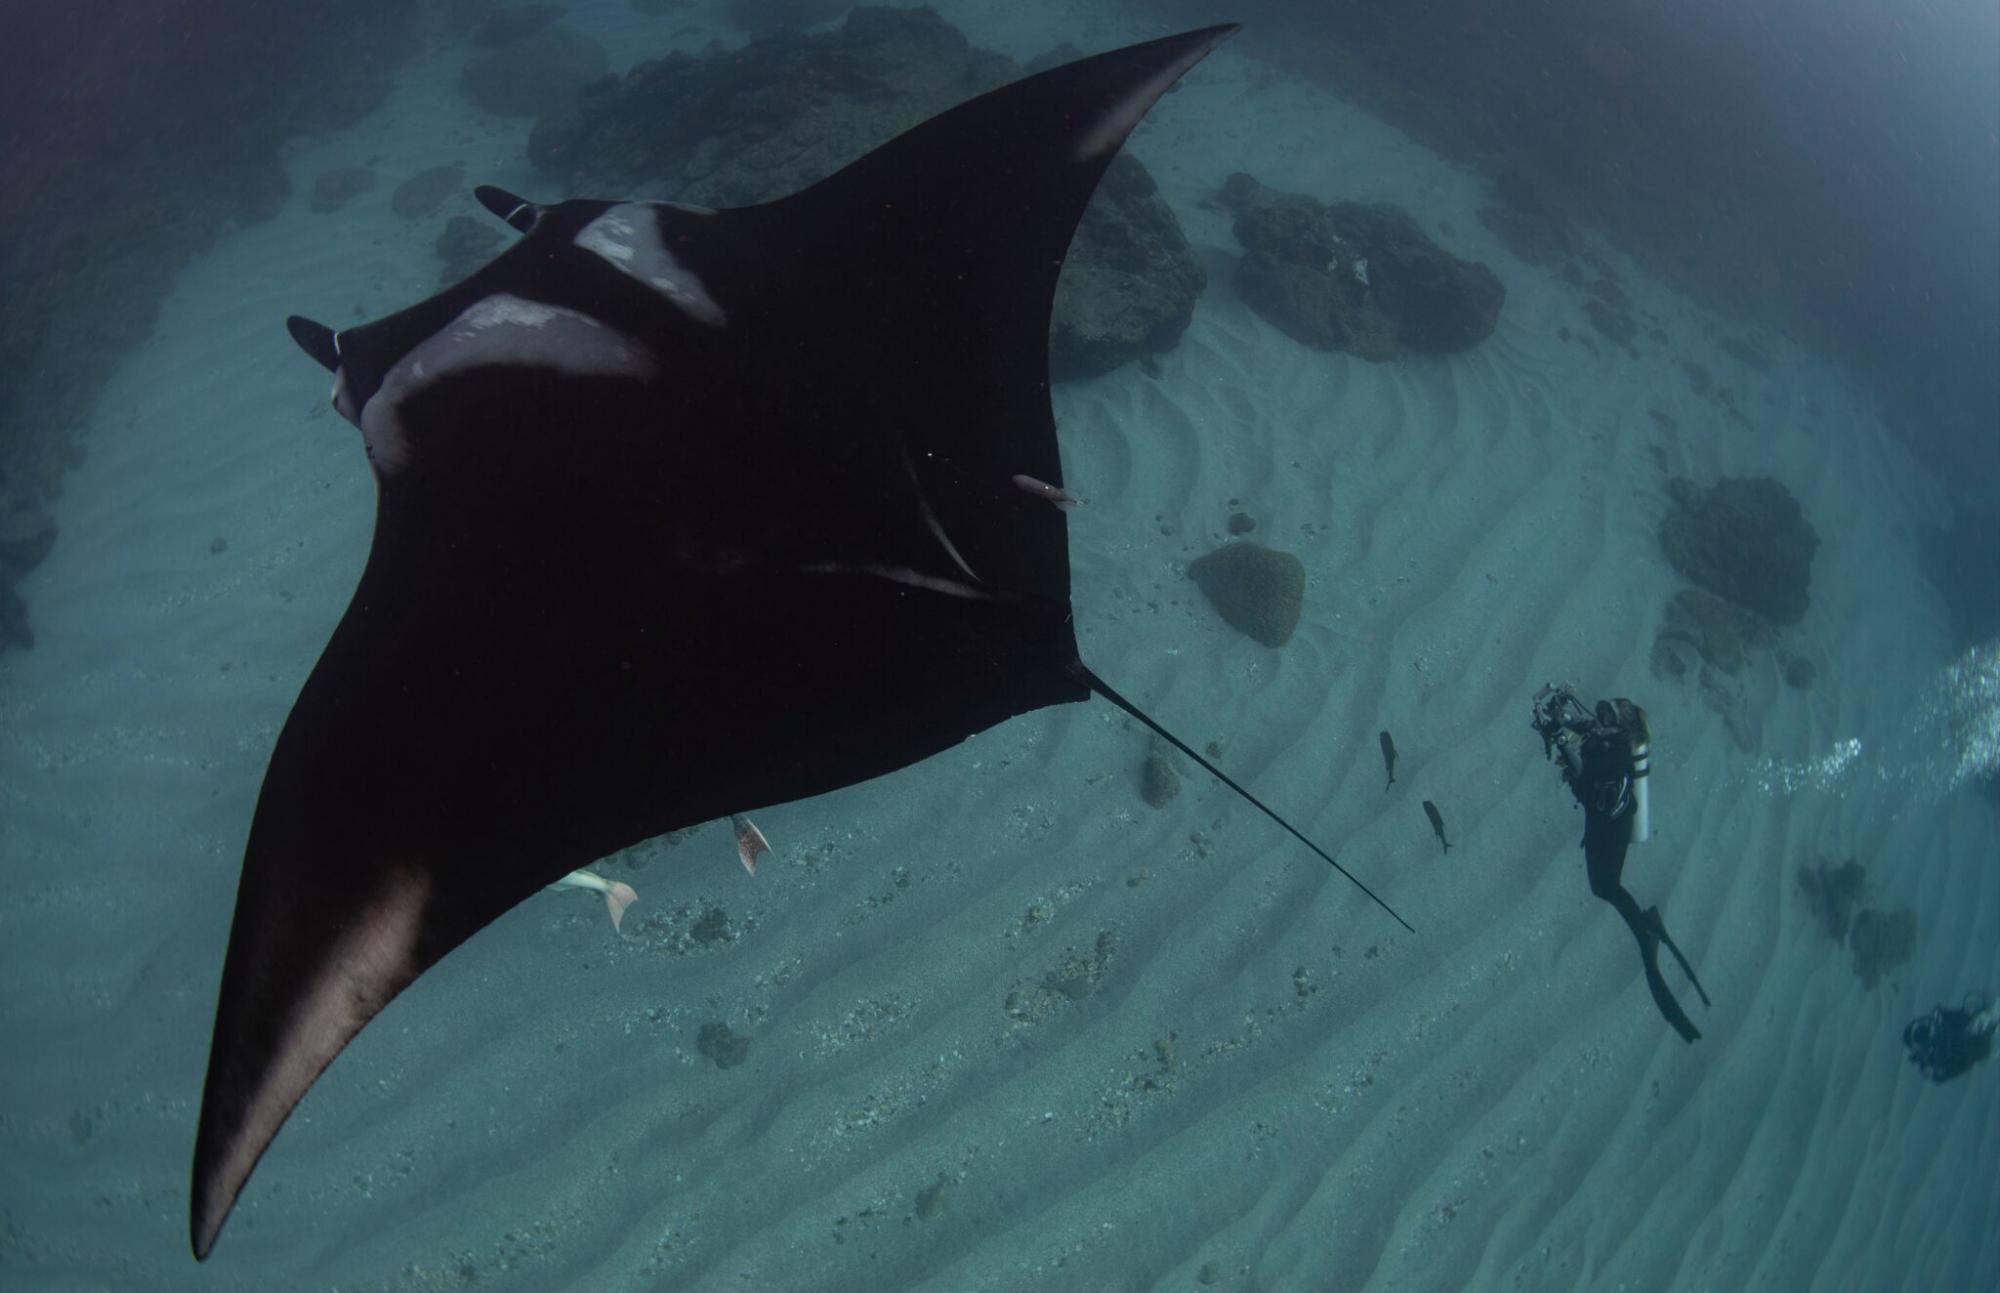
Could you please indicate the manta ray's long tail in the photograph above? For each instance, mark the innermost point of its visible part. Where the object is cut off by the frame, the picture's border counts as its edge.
(1110, 693)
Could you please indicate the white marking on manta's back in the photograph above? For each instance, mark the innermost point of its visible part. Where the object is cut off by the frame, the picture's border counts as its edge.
(495, 332)
(628, 238)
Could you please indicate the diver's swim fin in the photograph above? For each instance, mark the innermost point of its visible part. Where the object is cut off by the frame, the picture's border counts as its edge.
(1660, 928)
(1664, 999)
(1650, 938)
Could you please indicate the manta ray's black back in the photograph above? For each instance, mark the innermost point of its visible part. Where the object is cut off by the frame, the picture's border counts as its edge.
(681, 514)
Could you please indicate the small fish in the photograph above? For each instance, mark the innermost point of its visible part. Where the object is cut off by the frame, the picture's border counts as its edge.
(1389, 758)
(1437, 823)
(750, 842)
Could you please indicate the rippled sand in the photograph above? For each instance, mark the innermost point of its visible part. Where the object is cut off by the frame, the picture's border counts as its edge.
(1008, 1027)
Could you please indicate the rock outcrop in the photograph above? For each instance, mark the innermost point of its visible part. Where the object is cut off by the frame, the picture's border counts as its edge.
(1356, 277)
(1744, 539)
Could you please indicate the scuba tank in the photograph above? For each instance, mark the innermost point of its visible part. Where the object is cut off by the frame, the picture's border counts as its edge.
(1642, 767)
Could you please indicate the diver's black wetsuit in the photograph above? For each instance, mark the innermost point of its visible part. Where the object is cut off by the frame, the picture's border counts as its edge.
(1597, 765)
(1949, 1040)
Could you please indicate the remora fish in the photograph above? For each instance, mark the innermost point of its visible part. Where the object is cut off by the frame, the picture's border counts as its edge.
(1389, 758)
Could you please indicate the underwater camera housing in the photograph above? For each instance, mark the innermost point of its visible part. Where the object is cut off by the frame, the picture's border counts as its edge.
(1562, 722)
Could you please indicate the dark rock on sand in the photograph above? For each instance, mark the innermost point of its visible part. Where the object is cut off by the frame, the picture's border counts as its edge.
(721, 1045)
(762, 15)
(14, 630)
(1706, 642)
(1748, 353)
(738, 127)
(27, 534)
(506, 25)
(1610, 324)
(1720, 632)
(1606, 289)
(1131, 280)
(536, 75)
(1882, 941)
(1159, 779)
(335, 188)
(1832, 894)
(1745, 539)
(1258, 591)
(1070, 980)
(423, 193)
(1357, 277)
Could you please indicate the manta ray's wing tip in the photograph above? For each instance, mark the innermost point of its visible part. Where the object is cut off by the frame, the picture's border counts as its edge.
(316, 339)
(292, 997)
(205, 1222)
(1193, 46)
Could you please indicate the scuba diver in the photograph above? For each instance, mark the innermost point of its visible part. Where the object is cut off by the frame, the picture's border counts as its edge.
(1950, 1040)
(1605, 757)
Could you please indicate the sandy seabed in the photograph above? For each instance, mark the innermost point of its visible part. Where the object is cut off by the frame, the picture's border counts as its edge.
(1008, 1026)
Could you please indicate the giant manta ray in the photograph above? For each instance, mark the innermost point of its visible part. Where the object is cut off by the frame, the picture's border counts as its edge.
(681, 513)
